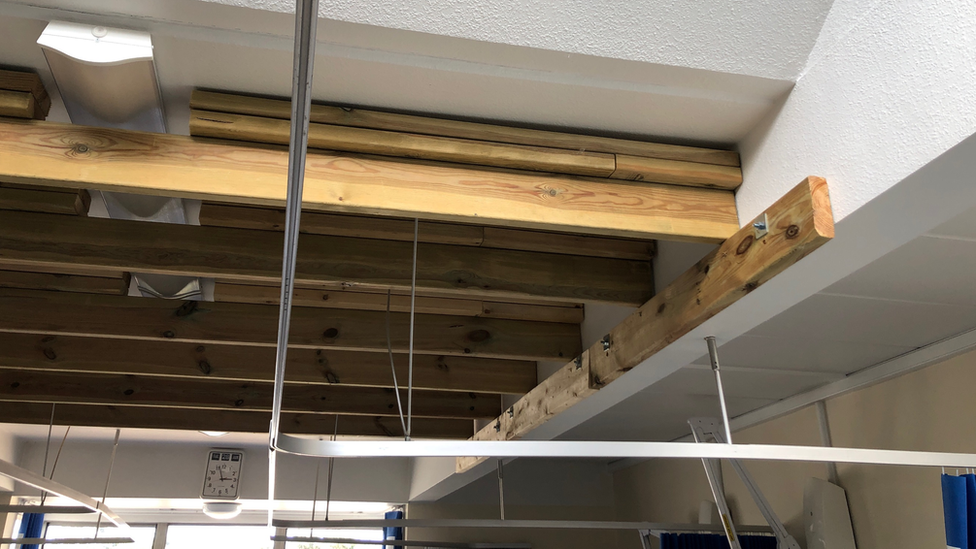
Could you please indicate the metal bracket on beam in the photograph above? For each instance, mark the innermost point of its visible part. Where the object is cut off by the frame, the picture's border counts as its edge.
(761, 226)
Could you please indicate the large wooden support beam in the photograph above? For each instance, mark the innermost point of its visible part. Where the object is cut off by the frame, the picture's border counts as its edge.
(61, 313)
(45, 200)
(22, 95)
(64, 155)
(108, 285)
(114, 389)
(798, 224)
(41, 242)
(138, 417)
(256, 364)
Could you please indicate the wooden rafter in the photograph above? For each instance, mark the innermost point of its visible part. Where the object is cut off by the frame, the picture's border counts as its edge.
(42, 242)
(164, 392)
(22, 95)
(798, 224)
(64, 155)
(140, 417)
(193, 361)
(62, 313)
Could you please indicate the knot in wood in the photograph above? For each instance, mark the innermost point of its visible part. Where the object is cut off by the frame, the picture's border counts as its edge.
(331, 333)
(792, 232)
(478, 336)
(128, 392)
(50, 354)
(80, 148)
(331, 377)
(745, 245)
(239, 402)
(187, 308)
(204, 367)
(169, 334)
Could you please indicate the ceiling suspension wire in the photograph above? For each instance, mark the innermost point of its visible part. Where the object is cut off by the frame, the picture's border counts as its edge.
(108, 478)
(413, 303)
(56, 458)
(47, 446)
(389, 350)
(306, 21)
(328, 490)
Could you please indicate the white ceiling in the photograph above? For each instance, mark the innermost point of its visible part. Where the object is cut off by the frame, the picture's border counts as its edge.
(203, 44)
(918, 294)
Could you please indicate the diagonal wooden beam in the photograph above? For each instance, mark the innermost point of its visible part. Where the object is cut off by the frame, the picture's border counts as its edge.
(131, 390)
(64, 155)
(69, 354)
(798, 223)
(43, 241)
(61, 313)
(139, 417)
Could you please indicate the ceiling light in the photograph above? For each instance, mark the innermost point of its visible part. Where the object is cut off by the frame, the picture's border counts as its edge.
(222, 510)
(214, 433)
(106, 76)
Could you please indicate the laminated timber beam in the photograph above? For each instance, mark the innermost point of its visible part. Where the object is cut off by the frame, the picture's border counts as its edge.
(63, 155)
(193, 361)
(133, 390)
(798, 223)
(22, 95)
(140, 417)
(135, 318)
(43, 242)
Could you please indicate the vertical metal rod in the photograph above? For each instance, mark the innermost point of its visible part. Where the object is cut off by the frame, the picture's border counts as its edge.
(413, 302)
(47, 446)
(328, 491)
(57, 457)
(389, 350)
(315, 493)
(501, 488)
(108, 478)
(713, 356)
(306, 20)
(825, 440)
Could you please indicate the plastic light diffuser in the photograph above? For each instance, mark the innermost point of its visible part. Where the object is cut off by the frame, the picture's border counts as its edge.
(106, 76)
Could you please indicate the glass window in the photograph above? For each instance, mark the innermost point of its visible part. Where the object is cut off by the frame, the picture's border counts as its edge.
(142, 535)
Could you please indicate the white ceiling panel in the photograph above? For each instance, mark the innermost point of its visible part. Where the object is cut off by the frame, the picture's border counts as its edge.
(745, 383)
(807, 353)
(868, 320)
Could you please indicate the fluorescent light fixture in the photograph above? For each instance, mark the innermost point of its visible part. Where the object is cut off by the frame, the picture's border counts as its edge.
(214, 433)
(106, 76)
(222, 509)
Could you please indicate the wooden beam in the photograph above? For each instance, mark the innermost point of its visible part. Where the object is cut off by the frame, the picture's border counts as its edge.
(41, 242)
(362, 118)
(44, 200)
(227, 215)
(154, 391)
(30, 82)
(258, 129)
(17, 104)
(137, 417)
(676, 172)
(799, 223)
(62, 313)
(65, 282)
(362, 301)
(65, 155)
(256, 364)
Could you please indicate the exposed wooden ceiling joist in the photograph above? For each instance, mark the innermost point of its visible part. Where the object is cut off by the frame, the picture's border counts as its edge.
(164, 392)
(64, 155)
(256, 364)
(798, 223)
(62, 313)
(43, 241)
(22, 95)
(139, 417)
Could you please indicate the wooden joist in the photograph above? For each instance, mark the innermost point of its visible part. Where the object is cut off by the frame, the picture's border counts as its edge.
(44, 200)
(228, 215)
(22, 95)
(64, 155)
(425, 125)
(162, 392)
(256, 364)
(43, 242)
(62, 313)
(107, 285)
(363, 301)
(138, 417)
(799, 223)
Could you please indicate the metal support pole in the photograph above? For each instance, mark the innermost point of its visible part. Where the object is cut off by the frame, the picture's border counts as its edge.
(306, 20)
(825, 440)
(501, 489)
(713, 356)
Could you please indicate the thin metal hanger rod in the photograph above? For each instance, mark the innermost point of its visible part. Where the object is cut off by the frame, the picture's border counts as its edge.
(413, 308)
(713, 357)
(108, 477)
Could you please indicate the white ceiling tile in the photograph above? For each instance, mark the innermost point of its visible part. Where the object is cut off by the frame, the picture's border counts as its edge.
(751, 383)
(935, 270)
(867, 320)
(806, 353)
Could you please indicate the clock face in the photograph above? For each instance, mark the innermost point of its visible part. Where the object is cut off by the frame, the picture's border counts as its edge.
(222, 479)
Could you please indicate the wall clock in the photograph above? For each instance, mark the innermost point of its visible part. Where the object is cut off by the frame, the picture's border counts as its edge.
(222, 478)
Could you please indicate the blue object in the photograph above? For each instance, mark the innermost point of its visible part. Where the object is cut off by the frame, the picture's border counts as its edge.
(714, 541)
(393, 533)
(959, 505)
(31, 526)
